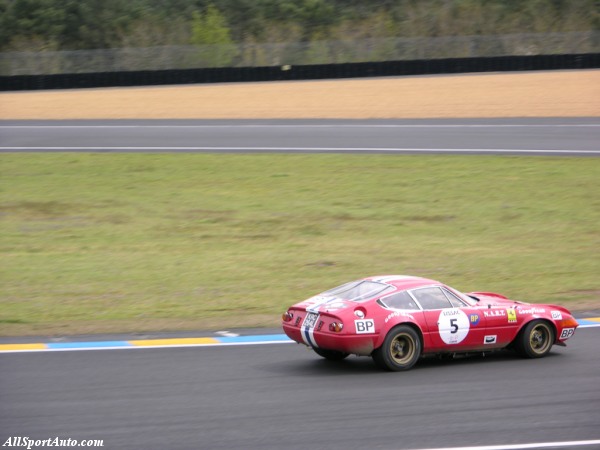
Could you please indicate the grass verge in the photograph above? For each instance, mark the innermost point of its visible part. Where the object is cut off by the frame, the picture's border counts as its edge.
(132, 242)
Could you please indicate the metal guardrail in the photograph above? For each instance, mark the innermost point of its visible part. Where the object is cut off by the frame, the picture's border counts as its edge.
(295, 53)
(301, 72)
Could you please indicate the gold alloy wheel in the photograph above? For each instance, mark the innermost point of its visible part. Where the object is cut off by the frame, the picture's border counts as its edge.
(402, 348)
(539, 338)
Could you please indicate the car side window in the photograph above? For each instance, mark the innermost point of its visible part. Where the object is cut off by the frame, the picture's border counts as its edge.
(400, 300)
(431, 298)
(456, 302)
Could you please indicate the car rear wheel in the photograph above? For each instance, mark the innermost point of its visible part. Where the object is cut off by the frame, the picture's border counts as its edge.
(331, 355)
(401, 349)
(535, 340)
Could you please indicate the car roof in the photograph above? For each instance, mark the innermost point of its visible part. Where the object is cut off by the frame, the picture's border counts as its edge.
(402, 282)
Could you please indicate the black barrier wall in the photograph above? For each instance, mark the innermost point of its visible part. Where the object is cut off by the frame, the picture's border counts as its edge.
(308, 72)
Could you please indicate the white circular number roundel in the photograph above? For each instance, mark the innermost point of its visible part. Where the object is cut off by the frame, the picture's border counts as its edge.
(453, 325)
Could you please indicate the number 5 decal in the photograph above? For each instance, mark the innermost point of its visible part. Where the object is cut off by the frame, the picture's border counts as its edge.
(453, 325)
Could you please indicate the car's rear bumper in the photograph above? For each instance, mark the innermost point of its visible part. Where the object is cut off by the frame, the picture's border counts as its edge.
(347, 343)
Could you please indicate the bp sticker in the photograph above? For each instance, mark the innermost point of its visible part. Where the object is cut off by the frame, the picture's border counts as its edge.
(453, 325)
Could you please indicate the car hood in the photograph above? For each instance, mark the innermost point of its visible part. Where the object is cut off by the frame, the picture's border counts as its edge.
(491, 298)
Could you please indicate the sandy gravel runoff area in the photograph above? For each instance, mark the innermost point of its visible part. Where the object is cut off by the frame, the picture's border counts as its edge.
(574, 93)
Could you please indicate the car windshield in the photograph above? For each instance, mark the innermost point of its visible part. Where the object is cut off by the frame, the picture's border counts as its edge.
(359, 291)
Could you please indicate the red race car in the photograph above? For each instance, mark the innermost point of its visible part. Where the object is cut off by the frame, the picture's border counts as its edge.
(398, 319)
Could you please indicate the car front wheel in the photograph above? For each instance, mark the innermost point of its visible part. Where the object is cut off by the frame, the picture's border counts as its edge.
(401, 349)
(535, 340)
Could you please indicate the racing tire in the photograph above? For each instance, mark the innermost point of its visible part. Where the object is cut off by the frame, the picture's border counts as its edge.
(400, 350)
(331, 355)
(535, 340)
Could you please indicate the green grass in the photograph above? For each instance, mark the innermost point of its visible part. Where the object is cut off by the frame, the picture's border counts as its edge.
(127, 242)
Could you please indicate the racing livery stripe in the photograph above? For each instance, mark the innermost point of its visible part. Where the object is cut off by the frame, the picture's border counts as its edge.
(314, 308)
(308, 336)
(391, 278)
(308, 333)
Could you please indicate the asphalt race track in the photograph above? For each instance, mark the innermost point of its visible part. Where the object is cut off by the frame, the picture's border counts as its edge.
(277, 396)
(553, 136)
(282, 396)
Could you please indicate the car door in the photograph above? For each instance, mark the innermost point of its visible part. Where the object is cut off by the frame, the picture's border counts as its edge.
(452, 325)
(501, 325)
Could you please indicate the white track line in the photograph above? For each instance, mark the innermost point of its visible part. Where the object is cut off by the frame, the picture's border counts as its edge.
(295, 149)
(281, 125)
(524, 446)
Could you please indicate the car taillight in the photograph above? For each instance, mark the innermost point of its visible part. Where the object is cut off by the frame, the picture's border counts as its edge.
(336, 327)
(569, 323)
(287, 316)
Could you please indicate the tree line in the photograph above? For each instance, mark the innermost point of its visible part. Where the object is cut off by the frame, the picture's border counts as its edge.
(45, 25)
